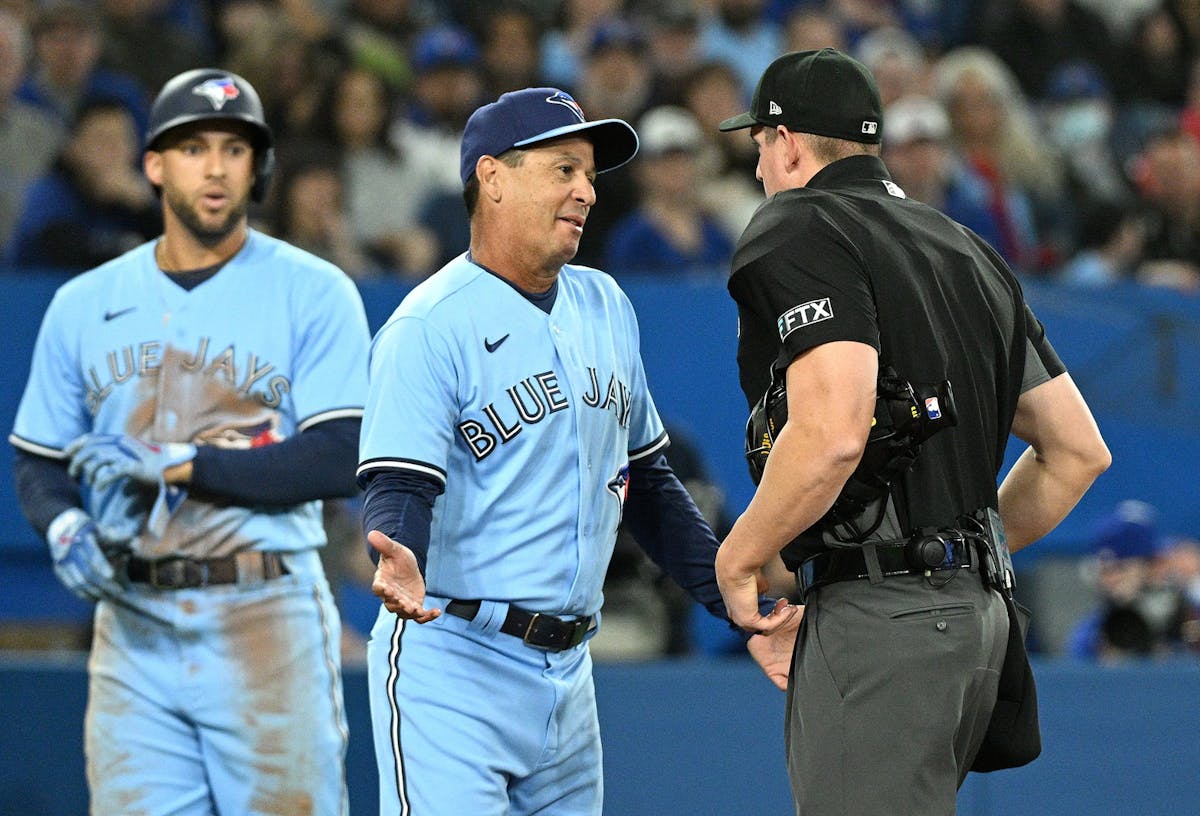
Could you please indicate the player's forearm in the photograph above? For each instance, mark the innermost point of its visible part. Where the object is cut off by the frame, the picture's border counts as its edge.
(44, 490)
(316, 464)
(399, 504)
(667, 525)
(802, 478)
(1038, 493)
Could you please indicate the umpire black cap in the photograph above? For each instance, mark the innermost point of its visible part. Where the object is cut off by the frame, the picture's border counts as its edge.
(212, 94)
(823, 92)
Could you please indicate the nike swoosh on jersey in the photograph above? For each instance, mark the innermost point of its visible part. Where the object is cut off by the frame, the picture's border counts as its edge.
(114, 315)
(493, 346)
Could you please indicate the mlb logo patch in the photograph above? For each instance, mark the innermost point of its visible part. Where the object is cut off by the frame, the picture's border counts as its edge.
(217, 91)
(932, 409)
(870, 128)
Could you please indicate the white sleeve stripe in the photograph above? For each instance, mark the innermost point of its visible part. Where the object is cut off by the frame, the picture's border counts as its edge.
(33, 447)
(325, 416)
(654, 447)
(402, 464)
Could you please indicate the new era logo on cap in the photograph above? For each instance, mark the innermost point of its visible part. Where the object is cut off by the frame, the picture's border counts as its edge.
(774, 109)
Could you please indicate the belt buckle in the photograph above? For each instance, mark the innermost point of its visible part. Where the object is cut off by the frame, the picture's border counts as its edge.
(178, 573)
(529, 632)
(555, 634)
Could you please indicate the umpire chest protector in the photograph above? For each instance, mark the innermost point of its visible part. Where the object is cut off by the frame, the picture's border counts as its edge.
(850, 257)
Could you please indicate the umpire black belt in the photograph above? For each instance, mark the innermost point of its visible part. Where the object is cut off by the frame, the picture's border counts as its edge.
(917, 556)
(195, 573)
(536, 629)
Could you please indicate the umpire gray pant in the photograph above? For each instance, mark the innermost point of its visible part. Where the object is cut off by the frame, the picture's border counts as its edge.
(891, 691)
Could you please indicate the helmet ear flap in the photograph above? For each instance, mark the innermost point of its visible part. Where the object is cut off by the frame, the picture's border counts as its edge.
(264, 167)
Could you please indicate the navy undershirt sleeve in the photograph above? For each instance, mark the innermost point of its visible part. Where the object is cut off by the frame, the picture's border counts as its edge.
(666, 523)
(43, 488)
(318, 463)
(399, 504)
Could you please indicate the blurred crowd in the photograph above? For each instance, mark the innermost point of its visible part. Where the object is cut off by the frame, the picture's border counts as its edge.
(1065, 132)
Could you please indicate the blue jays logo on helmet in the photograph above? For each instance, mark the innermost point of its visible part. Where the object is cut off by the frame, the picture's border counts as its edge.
(564, 99)
(217, 91)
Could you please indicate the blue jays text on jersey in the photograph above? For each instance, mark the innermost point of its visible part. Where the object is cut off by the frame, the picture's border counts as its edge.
(145, 359)
(535, 398)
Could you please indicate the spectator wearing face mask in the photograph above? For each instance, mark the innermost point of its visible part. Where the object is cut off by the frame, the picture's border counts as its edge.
(1136, 616)
(1078, 115)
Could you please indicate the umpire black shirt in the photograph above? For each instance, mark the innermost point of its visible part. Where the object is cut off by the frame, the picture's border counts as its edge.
(850, 257)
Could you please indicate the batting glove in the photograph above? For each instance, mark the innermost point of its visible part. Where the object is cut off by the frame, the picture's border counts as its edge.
(101, 459)
(79, 562)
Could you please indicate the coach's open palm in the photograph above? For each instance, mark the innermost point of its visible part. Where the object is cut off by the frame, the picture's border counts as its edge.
(773, 651)
(398, 581)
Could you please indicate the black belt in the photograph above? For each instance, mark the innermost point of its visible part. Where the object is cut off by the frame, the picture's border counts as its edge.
(194, 573)
(537, 630)
(917, 556)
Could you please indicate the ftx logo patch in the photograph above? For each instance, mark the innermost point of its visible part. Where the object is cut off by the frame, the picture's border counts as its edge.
(804, 315)
(217, 91)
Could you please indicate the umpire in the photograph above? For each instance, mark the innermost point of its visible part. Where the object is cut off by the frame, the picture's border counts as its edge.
(883, 318)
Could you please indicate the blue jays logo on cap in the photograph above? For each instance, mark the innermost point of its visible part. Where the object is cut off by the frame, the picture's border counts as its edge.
(561, 98)
(217, 91)
(527, 117)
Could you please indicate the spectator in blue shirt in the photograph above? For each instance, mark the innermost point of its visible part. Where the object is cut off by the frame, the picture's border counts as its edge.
(669, 232)
(66, 74)
(94, 204)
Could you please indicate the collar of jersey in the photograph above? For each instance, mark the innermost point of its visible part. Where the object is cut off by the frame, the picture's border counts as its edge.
(543, 300)
(849, 170)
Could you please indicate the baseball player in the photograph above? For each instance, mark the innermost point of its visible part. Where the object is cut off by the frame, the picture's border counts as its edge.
(206, 391)
(508, 428)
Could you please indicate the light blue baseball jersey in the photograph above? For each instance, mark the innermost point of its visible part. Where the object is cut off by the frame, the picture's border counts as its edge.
(529, 418)
(270, 345)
